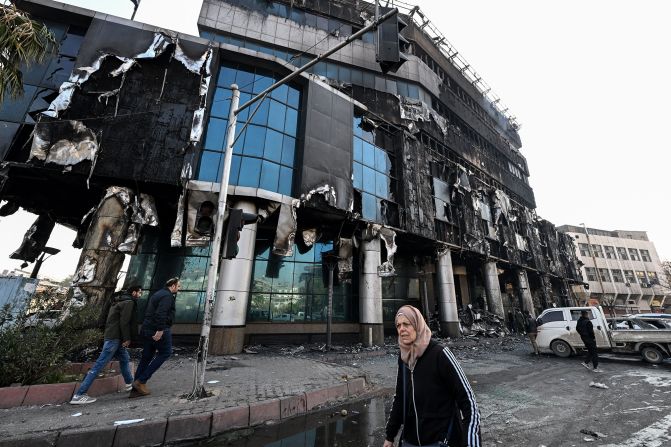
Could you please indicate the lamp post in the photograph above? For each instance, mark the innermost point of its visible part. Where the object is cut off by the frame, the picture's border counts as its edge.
(330, 258)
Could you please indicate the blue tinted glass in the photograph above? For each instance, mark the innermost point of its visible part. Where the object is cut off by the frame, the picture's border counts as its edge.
(413, 91)
(209, 166)
(235, 170)
(345, 74)
(320, 68)
(235, 42)
(256, 137)
(294, 97)
(356, 124)
(221, 38)
(368, 206)
(226, 76)
(358, 176)
(368, 180)
(286, 177)
(381, 160)
(261, 82)
(402, 88)
(273, 146)
(206, 35)
(381, 185)
(357, 77)
(391, 86)
(358, 149)
(291, 121)
(331, 70)
(244, 98)
(70, 45)
(368, 37)
(240, 141)
(368, 79)
(261, 115)
(260, 282)
(280, 54)
(368, 154)
(280, 93)
(250, 170)
(244, 79)
(252, 46)
(288, 150)
(262, 249)
(276, 115)
(221, 103)
(308, 256)
(216, 133)
(270, 176)
(284, 280)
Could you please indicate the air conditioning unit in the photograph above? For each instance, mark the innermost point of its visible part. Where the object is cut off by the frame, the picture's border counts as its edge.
(627, 284)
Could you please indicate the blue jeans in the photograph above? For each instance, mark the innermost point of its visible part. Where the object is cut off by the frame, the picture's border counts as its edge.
(111, 348)
(154, 353)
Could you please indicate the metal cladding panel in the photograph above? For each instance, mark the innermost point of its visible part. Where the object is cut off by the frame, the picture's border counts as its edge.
(109, 37)
(327, 154)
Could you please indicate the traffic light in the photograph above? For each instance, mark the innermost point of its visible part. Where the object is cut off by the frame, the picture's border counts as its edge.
(204, 218)
(236, 220)
(390, 43)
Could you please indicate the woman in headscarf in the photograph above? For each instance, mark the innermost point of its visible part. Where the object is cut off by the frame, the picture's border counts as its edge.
(434, 401)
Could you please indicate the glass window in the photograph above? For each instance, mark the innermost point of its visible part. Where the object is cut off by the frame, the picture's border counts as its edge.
(381, 160)
(645, 256)
(259, 309)
(276, 116)
(605, 275)
(369, 206)
(622, 253)
(286, 178)
(245, 81)
(555, 315)
(368, 180)
(280, 93)
(261, 115)
(357, 176)
(255, 141)
(591, 273)
(187, 306)
(357, 77)
(291, 122)
(250, 169)
(629, 276)
(221, 103)
(210, 166)
(293, 97)
(261, 82)
(235, 169)
(381, 185)
(575, 314)
(413, 91)
(273, 146)
(270, 176)
(633, 254)
(617, 275)
(368, 154)
(358, 149)
(610, 252)
(288, 150)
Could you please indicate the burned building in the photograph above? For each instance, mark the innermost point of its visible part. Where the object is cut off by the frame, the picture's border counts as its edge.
(413, 179)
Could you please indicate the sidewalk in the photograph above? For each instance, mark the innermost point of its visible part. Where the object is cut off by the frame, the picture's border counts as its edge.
(255, 387)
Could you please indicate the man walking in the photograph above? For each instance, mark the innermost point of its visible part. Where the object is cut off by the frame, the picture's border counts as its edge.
(119, 326)
(532, 330)
(156, 335)
(585, 328)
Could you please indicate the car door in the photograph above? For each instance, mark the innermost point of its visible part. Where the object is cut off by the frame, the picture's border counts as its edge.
(551, 326)
(600, 335)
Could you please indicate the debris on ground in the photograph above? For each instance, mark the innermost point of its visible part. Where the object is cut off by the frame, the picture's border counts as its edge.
(594, 434)
(598, 385)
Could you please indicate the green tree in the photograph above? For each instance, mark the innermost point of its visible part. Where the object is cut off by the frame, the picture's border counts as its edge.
(23, 42)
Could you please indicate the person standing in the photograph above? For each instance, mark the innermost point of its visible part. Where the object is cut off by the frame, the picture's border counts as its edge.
(432, 391)
(119, 327)
(532, 330)
(156, 335)
(585, 328)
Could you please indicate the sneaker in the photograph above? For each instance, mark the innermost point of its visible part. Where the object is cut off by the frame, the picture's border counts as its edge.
(586, 365)
(127, 387)
(597, 370)
(82, 399)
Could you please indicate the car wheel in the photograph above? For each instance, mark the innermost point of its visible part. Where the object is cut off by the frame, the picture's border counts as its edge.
(560, 348)
(652, 355)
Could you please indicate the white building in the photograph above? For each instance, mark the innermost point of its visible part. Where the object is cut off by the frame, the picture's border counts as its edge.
(622, 269)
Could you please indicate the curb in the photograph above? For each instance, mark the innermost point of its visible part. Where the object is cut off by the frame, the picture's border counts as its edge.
(192, 427)
(58, 393)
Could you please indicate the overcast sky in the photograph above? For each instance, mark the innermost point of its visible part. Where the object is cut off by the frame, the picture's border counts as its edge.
(588, 81)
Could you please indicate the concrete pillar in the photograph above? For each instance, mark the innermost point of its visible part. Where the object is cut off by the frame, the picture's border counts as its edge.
(493, 289)
(447, 296)
(525, 291)
(370, 295)
(227, 335)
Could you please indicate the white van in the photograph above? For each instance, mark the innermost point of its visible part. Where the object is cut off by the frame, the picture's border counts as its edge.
(557, 334)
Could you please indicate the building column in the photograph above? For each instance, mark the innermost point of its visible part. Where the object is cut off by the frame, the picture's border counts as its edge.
(493, 289)
(523, 286)
(229, 317)
(370, 295)
(447, 296)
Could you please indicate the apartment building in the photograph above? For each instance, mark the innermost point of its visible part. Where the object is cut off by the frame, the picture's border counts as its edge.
(622, 269)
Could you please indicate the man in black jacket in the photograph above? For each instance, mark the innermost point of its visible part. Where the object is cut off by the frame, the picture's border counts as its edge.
(119, 326)
(585, 328)
(156, 335)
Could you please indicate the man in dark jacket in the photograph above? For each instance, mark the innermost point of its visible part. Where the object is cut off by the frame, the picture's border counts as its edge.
(585, 328)
(156, 335)
(119, 328)
(532, 330)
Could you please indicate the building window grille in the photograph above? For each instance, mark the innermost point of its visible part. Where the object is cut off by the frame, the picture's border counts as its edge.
(605, 276)
(610, 252)
(622, 253)
(617, 275)
(645, 256)
(591, 273)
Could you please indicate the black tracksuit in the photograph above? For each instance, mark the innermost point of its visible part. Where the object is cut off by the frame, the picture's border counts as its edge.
(585, 328)
(434, 392)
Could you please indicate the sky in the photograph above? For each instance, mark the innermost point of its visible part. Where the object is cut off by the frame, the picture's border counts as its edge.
(587, 80)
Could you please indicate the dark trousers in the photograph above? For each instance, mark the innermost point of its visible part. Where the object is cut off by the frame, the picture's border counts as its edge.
(154, 353)
(592, 355)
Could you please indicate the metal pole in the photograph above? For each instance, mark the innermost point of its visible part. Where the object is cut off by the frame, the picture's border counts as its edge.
(201, 355)
(329, 316)
(596, 267)
(38, 265)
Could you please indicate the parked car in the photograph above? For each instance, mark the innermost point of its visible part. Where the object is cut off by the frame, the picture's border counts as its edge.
(557, 334)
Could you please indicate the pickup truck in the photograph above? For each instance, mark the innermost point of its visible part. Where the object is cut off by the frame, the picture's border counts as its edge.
(557, 334)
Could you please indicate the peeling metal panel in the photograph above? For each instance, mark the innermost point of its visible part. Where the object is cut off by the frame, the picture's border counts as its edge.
(177, 231)
(86, 272)
(287, 225)
(309, 236)
(389, 237)
(80, 143)
(328, 192)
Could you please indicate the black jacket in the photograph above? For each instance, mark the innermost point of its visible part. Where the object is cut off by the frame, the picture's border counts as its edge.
(437, 389)
(585, 328)
(121, 323)
(160, 312)
(531, 326)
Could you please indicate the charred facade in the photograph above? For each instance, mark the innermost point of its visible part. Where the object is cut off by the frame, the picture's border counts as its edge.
(414, 179)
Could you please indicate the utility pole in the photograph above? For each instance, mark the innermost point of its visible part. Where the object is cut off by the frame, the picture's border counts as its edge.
(198, 390)
(596, 268)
